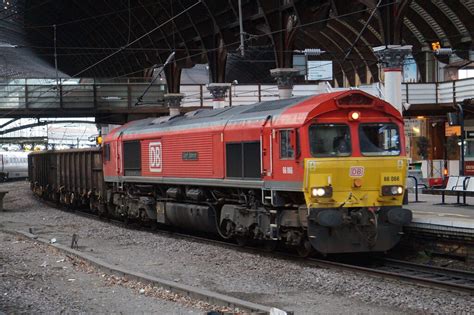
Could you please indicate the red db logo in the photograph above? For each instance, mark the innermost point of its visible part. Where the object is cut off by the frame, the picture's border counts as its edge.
(156, 164)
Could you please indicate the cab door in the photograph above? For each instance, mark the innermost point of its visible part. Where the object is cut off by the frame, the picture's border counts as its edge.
(286, 153)
(266, 148)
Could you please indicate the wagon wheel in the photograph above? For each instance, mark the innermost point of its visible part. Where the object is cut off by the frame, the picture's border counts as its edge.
(305, 249)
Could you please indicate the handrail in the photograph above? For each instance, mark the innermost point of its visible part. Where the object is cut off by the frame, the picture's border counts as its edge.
(13, 95)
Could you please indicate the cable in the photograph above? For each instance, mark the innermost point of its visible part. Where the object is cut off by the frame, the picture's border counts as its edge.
(363, 29)
(129, 22)
(137, 39)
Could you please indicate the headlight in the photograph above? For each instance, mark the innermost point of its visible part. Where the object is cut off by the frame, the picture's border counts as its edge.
(321, 191)
(392, 190)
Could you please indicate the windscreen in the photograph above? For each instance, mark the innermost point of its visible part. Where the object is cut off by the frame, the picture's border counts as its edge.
(330, 140)
(379, 139)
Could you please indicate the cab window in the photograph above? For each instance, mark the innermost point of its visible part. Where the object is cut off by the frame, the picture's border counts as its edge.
(379, 139)
(287, 148)
(330, 140)
(107, 152)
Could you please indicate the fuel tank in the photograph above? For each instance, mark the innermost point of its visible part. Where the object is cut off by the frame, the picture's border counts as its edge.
(191, 217)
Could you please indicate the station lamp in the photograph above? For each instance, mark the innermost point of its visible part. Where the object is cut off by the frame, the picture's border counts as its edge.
(441, 51)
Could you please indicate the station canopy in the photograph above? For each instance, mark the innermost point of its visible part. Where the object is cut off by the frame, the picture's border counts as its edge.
(141, 34)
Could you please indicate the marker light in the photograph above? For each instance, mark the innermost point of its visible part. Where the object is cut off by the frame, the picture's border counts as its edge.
(354, 116)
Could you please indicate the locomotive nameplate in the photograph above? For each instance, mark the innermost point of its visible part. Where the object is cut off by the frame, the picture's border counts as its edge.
(155, 155)
(356, 171)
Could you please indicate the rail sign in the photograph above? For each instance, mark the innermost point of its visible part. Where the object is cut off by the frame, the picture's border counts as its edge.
(156, 160)
(356, 171)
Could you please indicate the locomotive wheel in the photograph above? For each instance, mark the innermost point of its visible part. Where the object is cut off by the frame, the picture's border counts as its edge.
(305, 249)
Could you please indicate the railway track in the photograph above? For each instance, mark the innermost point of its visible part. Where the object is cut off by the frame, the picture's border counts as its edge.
(426, 275)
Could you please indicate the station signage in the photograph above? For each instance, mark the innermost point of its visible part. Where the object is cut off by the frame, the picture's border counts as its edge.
(452, 130)
(469, 168)
(469, 134)
(320, 70)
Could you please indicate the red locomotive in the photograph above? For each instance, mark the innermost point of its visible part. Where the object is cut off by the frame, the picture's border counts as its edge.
(323, 172)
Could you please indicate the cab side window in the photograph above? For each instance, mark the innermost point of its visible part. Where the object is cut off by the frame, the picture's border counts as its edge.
(287, 147)
(107, 152)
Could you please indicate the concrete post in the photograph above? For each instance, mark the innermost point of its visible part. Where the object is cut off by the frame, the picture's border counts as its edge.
(284, 78)
(391, 61)
(218, 92)
(173, 102)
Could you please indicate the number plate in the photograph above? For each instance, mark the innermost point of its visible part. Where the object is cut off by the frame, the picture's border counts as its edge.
(391, 178)
(356, 171)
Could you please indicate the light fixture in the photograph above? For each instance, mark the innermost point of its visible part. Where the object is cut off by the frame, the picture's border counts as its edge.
(354, 116)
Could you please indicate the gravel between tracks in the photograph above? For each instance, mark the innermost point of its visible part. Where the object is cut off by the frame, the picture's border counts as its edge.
(37, 279)
(264, 280)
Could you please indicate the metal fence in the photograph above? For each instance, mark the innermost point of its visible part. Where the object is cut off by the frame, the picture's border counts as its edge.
(121, 94)
(76, 94)
(448, 92)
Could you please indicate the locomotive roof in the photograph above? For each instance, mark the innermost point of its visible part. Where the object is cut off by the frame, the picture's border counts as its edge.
(291, 111)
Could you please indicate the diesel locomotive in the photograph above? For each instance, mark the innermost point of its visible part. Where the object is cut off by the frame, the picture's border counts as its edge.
(324, 173)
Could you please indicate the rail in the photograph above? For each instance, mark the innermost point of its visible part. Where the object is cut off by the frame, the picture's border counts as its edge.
(436, 277)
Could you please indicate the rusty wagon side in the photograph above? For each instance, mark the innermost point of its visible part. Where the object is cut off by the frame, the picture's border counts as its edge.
(72, 177)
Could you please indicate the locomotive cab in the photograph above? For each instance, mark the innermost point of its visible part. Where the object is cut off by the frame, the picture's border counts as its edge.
(354, 176)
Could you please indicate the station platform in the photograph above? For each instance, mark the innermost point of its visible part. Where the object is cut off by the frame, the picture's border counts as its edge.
(451, 217)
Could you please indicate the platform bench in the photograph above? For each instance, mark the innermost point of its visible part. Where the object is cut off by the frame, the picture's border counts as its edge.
(456, 186)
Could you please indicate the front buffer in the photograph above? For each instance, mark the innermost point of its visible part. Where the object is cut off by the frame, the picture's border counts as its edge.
(354, 204)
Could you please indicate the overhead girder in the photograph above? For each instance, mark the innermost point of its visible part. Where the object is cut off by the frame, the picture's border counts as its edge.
(181, 57)
(196, 46)
(348, 65)
(281, 25)
(427, 29)
(411, 35)
(349, 36)
(210, 30)
(370, 40)
(104, 37)
(215, 49)
(467, 43)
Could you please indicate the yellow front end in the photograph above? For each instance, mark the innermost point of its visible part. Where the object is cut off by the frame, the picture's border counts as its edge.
(355, 204)
(355, 182)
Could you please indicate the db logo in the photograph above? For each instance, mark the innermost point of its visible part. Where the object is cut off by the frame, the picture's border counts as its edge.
(156, 164)
(356, 171)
